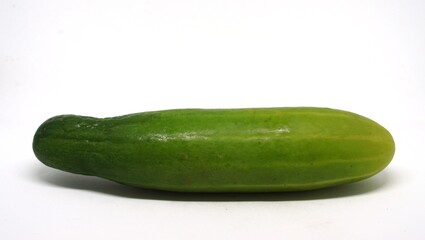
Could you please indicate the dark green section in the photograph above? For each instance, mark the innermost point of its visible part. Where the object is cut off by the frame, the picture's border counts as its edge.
(271, 149)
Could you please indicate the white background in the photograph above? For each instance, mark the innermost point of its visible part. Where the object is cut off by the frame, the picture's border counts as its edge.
(107, 58)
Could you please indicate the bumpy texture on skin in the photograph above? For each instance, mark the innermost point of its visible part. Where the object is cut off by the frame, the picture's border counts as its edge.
(219, 150)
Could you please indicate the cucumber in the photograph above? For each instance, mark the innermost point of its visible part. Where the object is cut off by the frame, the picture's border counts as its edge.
(219, 150)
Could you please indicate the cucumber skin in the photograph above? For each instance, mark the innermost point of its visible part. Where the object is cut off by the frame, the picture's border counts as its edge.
(219, 150)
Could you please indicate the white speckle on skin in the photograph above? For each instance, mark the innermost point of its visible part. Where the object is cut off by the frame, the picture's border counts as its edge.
(169, 137)
(282, 130)
(162, 137)
(191, 135)
(279, 130)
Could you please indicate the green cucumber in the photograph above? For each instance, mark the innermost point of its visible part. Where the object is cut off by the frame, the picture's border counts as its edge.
(219, 150)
